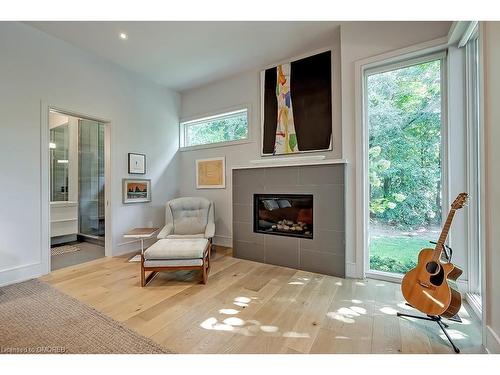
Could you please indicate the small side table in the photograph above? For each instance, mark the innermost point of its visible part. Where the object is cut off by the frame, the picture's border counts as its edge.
(141, 234)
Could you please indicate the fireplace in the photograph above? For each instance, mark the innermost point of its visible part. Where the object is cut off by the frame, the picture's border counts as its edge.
(283, 214)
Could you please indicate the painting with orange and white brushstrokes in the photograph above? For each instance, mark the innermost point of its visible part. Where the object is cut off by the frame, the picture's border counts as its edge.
(297, 106)
(136, 190)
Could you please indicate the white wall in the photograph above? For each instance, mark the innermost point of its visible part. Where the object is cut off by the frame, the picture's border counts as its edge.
(241, 89)
(360, 40)
(144, 118)
(491, 52)
(354, 41)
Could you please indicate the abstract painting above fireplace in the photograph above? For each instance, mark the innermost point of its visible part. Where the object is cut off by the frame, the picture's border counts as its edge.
(284, 214)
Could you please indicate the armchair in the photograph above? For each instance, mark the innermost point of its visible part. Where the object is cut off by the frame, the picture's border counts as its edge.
(190, 217)
(185, 241)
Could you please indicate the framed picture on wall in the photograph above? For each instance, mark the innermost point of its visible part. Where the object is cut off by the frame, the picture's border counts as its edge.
(296, 106)
(211, 173)
(136, 190)
(136, 163)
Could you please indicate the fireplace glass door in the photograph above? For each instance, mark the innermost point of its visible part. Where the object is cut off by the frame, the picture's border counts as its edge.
(284, 214)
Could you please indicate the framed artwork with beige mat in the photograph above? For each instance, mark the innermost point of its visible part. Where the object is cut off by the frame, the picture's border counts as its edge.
(211, 173)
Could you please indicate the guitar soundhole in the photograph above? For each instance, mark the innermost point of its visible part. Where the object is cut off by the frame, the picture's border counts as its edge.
(438, 278)
(432, 268)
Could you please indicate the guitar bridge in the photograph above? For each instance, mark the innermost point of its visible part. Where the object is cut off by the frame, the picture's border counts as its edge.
(426, 285)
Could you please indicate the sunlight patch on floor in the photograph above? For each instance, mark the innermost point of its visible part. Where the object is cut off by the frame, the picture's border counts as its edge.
(359, 310)
(269, 329)
(465, 321)
(242, 301)
(234, 321)
(340, 317)
(228, 311)
(213, 324)
(454, 334)
(296, 335)
(403, 305)
(249, 328)
(388, 310)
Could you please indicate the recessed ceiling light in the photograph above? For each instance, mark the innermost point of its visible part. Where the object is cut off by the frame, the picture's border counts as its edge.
(123, 36)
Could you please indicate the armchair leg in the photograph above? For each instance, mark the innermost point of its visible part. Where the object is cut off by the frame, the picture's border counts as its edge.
(209, 252)
(143, 273)
(150, 277)
(205, 274)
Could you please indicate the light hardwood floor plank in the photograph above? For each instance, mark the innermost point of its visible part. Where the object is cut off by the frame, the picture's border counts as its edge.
(249, 307)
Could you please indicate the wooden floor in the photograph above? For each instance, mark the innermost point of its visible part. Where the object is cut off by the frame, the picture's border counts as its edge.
(249, 307)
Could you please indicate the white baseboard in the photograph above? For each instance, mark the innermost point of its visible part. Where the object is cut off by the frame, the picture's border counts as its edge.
(474, 304)
(492, 341)
(351, 270)
(226, 241)
(21, 273)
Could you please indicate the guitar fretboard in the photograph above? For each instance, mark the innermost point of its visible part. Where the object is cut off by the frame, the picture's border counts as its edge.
(444, 234)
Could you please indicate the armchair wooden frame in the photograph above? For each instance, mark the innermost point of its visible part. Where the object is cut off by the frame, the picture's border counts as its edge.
(204, 267)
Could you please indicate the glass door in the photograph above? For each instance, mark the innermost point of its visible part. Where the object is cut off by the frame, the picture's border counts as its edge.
(91, 178)
(59, 163)
(403, 105)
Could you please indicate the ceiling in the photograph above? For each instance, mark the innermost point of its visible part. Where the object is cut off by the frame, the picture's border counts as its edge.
(184, 55)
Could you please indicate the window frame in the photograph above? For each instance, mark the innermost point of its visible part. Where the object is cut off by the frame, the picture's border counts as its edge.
(184, 123)
(382, 66)
(471, 43)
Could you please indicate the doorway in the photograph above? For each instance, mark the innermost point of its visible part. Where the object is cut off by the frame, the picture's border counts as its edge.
(403, 112)
(77, 188)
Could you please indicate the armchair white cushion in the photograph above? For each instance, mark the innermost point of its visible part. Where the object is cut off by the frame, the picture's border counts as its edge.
(190, 217)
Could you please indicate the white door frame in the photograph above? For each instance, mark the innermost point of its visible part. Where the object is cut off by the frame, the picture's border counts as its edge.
(45, 183)
(423, 50)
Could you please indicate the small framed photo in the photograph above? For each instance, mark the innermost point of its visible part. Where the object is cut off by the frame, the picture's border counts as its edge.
(136, 163)
(211, 173)
(136, 190)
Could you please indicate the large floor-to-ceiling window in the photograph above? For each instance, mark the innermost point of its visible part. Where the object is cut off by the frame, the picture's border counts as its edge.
(404, 115)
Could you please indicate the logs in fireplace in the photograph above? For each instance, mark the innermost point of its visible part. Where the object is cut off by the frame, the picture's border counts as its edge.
(284, 214)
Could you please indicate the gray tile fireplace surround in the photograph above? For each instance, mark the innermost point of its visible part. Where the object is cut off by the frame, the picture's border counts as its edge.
(325, 253)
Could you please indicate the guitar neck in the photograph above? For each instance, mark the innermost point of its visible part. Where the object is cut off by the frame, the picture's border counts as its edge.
(444, 234)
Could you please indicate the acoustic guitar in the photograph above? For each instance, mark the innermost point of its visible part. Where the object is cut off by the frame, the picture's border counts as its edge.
(426, 287)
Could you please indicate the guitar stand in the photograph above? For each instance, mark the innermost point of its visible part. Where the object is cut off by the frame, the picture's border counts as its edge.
(440, 323)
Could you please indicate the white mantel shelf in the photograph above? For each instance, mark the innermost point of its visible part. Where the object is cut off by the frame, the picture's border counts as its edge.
(288, 162)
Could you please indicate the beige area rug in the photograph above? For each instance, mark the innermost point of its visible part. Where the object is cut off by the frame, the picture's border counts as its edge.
(37, 318)
(64, 249)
